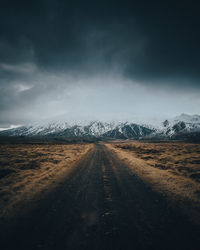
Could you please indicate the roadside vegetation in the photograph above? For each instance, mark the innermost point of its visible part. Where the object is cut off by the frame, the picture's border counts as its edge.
(171, 168)
(28, 170)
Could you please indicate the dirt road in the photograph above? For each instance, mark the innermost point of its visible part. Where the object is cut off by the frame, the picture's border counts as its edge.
(103, 205)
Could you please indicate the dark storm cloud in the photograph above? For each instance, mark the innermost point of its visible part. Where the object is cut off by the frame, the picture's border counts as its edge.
(152, 43)
(148, 40)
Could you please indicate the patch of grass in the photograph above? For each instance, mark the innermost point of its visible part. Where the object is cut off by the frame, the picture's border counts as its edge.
(180, 158)
(28, 169)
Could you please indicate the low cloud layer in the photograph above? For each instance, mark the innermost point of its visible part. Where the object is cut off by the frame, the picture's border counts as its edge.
(103, 59)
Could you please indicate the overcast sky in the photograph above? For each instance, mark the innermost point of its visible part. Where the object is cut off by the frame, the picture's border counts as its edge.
(98, 59)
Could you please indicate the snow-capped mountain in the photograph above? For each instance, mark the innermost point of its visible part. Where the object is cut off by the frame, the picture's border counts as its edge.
(181, 124)
(118, 130)
(128, 131)
(36, 129)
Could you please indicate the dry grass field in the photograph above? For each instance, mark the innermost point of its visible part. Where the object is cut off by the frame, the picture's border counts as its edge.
(178, 158)
(172, 169)
(98, 202)
(27, 170)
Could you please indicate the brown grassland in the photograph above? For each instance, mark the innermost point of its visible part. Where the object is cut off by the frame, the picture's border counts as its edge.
(27, 170)
(172, 169)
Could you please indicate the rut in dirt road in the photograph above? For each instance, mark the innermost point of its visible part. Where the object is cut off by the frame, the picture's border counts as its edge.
(103, 205)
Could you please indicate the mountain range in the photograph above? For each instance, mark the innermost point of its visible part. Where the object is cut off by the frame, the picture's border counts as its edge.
(183, 125)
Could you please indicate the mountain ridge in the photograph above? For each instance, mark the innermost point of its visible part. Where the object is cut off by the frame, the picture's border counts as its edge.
(169, 128)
